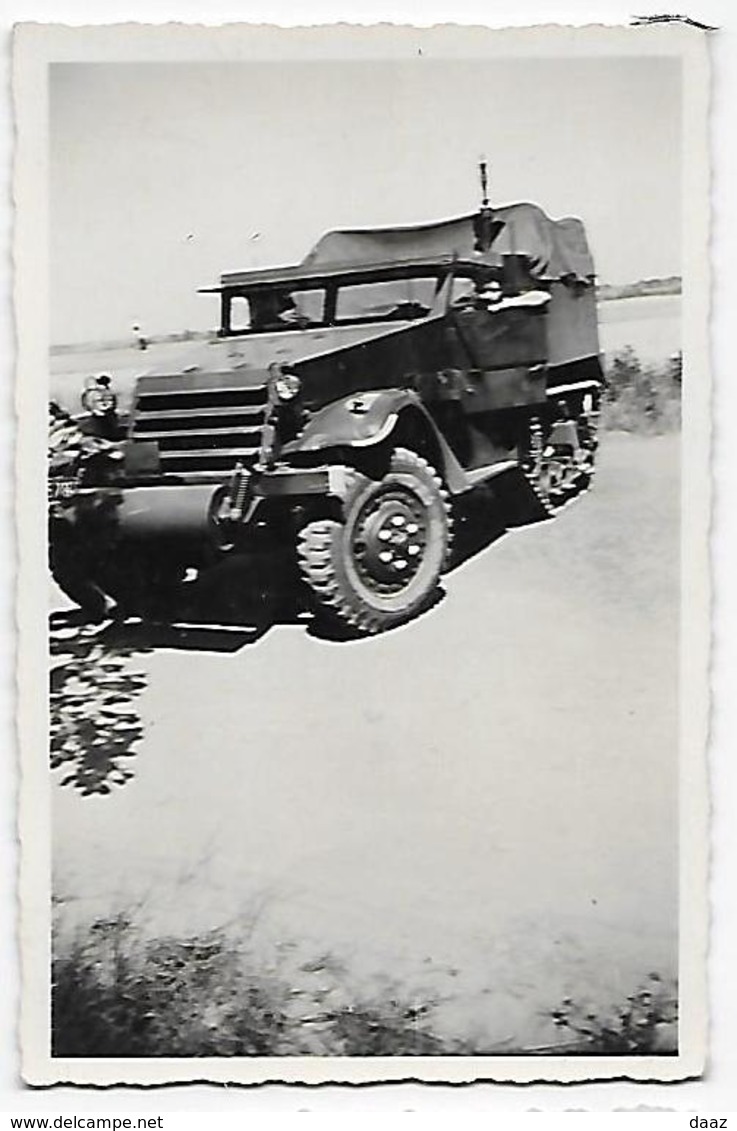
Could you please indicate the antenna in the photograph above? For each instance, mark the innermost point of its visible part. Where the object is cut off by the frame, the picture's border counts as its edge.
(484, 225)
(484, 182)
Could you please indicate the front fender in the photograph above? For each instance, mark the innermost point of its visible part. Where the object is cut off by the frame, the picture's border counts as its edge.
(366, 419)
(358, 421)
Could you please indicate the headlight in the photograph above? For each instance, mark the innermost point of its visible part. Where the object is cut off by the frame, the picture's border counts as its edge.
(286, 385)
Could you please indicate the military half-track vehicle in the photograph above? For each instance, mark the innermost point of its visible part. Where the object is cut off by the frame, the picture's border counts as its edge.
(343, 406)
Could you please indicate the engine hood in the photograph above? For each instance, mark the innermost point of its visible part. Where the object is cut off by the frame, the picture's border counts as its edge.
(251, 355)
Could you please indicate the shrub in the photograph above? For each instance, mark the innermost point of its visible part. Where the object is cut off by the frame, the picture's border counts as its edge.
(646, 1024)
(640, 397)
(115, 994)
(387, 1025)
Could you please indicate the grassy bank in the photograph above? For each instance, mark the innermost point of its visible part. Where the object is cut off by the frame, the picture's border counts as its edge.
(117, 993)
(641, 397)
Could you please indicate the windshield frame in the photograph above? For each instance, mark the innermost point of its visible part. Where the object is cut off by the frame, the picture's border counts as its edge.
(331, 285)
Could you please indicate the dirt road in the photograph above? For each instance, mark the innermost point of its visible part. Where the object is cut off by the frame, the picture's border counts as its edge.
(483, 802)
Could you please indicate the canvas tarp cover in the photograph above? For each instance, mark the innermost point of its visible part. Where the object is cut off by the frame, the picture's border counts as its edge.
(554, 249)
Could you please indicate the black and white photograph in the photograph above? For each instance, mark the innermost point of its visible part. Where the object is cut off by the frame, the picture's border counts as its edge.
(363, 587)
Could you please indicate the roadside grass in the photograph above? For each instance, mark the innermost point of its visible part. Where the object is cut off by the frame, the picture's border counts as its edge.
(641, 397)
(118, 993)
(645, 1023)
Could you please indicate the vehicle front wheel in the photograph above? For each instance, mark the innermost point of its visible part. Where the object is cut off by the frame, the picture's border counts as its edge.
(380, 566)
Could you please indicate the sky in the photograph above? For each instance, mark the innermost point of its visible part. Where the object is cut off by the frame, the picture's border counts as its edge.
(164, 175)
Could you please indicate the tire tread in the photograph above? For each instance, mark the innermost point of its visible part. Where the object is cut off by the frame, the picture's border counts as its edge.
(317, 540)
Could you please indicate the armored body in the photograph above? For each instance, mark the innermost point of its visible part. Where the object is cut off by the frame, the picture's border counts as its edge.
(343, 406)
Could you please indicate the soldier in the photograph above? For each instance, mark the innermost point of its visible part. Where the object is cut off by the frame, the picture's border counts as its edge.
(101, 402)
(290, 314)
(72, 562)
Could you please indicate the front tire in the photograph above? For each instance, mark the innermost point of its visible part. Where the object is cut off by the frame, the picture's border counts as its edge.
(380, 566)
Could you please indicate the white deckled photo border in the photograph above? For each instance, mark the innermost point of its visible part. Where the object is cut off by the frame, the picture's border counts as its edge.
(36, 48)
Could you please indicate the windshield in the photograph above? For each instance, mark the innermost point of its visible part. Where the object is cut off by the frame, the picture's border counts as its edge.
(388, 298)
(265, 309)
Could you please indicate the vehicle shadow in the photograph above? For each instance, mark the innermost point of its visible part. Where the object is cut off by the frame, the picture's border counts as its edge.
(484, 515)
(477, 524)
(222, 610)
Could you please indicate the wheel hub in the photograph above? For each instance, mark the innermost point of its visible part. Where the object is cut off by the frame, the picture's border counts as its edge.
(389, 540)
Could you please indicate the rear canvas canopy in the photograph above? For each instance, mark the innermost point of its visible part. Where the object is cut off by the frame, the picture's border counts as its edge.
(554, 249)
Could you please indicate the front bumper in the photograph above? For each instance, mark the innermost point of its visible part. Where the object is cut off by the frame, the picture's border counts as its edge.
(281, 482)
(193, 511)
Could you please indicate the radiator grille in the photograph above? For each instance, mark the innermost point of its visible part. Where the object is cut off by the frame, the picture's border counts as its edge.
(201, 431)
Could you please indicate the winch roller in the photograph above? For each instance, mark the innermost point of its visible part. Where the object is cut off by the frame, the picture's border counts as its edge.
(173, 513)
